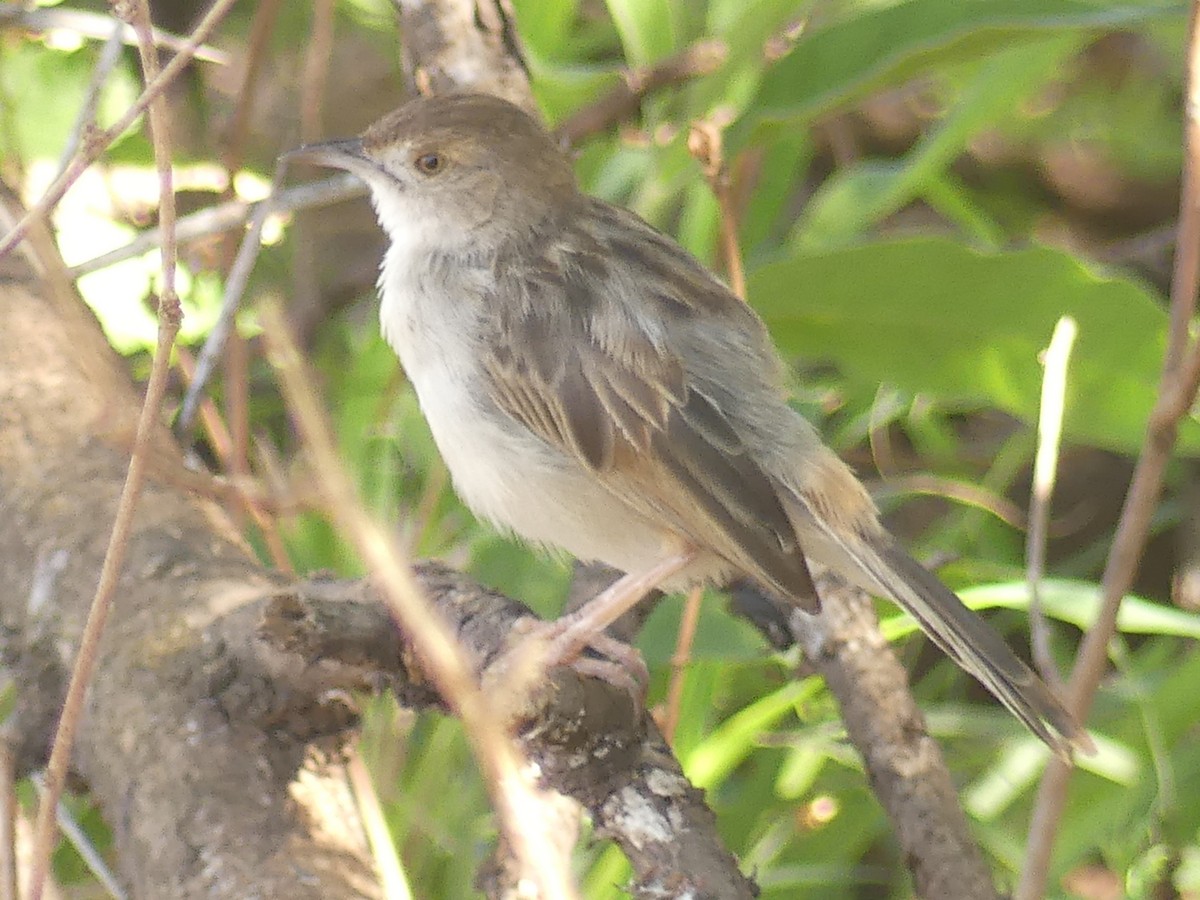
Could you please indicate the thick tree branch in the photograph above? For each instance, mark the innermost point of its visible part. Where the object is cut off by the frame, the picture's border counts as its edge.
(589, 740)
(202, 798)
(904, 764)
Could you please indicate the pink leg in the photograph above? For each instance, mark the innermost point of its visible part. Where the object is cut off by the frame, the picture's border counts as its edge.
(545, 645)
(581, 628)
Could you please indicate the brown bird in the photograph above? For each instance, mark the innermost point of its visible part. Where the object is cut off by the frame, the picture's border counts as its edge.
(592, 386)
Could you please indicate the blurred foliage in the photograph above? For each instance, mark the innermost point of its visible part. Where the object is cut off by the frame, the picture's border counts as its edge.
(925, 188)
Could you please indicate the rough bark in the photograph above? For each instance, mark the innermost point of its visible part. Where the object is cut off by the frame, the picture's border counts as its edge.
(204, 796)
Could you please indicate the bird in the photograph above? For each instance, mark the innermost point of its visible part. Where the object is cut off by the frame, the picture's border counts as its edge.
(593, 387)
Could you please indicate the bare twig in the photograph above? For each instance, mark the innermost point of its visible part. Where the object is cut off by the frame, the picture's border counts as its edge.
(1177, 392)
(505, 772)
(305, 273)
(704, 143)
(316, 70)
(97, 144)
(233, 148)
(700, 59)
(679, 661)
(168, 326)
(587, 737)
(230, 215)
(86, 117)
(235, 287)
(96, 26)
(261, 30)
(237, 406)
(904, 764)
(214, 425)
(1045, 470)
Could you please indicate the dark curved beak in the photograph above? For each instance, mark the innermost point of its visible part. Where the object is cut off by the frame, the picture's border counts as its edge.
(346, 154)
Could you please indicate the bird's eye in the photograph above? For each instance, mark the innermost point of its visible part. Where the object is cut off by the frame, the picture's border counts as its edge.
(430, 163)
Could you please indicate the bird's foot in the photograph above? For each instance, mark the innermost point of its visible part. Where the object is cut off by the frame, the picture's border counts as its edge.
(517, 678)
(536, 647)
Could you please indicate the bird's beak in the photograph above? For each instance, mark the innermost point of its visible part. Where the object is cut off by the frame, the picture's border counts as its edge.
(346, 154)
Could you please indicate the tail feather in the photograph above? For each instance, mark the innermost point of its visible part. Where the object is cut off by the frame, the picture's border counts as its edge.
(960, 633)
(974, 645)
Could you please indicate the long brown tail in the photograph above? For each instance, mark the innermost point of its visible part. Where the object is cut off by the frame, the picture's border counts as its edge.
(962, 635)
(975, 645)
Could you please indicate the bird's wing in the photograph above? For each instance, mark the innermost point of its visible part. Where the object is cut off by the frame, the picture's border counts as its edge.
(588, 371)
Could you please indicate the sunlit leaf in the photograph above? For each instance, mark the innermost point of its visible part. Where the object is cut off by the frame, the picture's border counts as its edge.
(932, 316)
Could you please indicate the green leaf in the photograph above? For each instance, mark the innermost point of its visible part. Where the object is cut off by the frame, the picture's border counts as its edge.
(888, 45)
(43, 91)
(1074, 602)
(646, 27)
(731, 742)
(1017, 769)
(929, 315)
(858, 196)
(545, 27)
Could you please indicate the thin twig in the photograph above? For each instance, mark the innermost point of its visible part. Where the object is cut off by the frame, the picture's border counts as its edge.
(383, 848)
(230, 215)
(86, 117)
(237, 412)
(219, 438)
(168, 326)
(1045, 471)
(235, 288)
(700, 59)
(305, 272)
(316, 70)
(98, 143)
(84, 845)
(704, 143)
(262, 29)
(95, 26)
(505, 771)
(232, 348)
(1177, 392)
(679, 661)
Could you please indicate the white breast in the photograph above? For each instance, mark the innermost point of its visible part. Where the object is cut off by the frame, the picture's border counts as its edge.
(503, 472)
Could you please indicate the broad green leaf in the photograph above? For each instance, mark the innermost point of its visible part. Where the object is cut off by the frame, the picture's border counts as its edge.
(859, 196)
(890, 44)
(931, 316)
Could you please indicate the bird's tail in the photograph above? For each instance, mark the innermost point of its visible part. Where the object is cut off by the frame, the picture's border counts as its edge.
(959, 632)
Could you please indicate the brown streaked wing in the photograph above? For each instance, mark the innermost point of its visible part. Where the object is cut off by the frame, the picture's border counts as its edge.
(667, 451)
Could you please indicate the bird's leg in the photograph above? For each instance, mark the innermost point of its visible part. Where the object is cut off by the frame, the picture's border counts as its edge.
(585, 627)
(544, 645)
